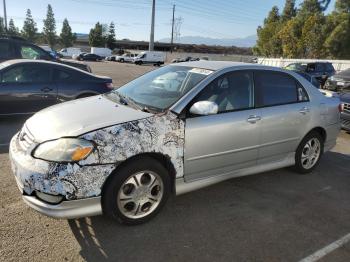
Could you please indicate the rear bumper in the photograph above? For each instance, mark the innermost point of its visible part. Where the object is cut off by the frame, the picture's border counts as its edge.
(66, 209)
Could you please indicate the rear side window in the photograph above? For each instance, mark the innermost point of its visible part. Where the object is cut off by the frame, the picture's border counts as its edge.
(5, 51)
(26, 74)
(62, 76)
(275, 88)
(329, 67)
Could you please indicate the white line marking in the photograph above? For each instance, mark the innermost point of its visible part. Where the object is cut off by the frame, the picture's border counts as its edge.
(327, 249)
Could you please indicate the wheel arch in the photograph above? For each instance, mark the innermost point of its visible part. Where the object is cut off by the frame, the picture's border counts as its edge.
(319, 130)
(161, 158)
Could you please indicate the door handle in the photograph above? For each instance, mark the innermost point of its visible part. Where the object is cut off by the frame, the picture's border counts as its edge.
(304, 110)
(46, 89)
(253, 119)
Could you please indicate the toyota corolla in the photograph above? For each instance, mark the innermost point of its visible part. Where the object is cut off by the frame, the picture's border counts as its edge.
(123, 153)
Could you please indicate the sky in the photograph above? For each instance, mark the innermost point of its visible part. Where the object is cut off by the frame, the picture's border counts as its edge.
(207, 18)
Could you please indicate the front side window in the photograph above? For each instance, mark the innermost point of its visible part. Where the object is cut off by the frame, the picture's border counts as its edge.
(232, 91)
(26, 74)
(161, 88)
(275, 88)
(30, 52)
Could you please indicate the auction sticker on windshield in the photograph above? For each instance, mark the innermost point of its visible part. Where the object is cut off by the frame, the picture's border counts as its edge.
(201, 71)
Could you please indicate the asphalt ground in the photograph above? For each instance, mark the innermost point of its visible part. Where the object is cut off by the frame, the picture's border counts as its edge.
(273, 216)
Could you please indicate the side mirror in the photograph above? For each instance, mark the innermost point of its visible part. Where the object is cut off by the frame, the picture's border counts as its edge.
(204, 108)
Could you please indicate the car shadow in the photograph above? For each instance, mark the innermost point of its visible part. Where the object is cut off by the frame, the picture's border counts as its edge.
(274, 216)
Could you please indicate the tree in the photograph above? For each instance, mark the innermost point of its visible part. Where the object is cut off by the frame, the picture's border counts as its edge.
(290, 35)
(338, 31)
(269, 43)
(312, 38)
(29, 29)
(308, 8)
(49, 29)
(13, 30)
(289, 10)
(110, 40)
(2, 26)
(67, 37)
(342, 6)
(96, 38)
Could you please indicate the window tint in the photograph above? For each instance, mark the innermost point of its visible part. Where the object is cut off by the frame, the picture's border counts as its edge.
(232, 91)
(320, 68)
(26, 74)
(4, 49)
(31, 52)
(275, 88)
(61, 75)
(329, 67)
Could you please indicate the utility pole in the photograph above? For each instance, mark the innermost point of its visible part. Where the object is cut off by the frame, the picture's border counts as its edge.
(172, 30)
(151, 40)
(5, 15)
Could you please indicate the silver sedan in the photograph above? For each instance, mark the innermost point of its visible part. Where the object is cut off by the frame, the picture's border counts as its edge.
(125, 152)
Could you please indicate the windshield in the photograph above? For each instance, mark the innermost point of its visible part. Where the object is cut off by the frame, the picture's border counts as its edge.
(161, 88)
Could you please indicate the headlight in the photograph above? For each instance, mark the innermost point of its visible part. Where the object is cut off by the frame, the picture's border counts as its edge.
(64, 150)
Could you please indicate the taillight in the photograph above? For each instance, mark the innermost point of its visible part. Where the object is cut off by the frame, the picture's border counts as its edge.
(341, 107)
(109, 85)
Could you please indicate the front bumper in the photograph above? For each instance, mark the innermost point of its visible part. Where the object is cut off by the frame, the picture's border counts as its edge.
(79, 185)
(66, 209)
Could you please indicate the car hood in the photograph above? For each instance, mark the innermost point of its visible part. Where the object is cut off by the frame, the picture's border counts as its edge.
(80, 116)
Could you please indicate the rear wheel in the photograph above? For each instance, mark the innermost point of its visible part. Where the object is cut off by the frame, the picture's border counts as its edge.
(136, 192)
(309, 153)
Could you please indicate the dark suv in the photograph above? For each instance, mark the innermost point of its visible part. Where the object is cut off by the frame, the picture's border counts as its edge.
(19, 48)
(320, 70)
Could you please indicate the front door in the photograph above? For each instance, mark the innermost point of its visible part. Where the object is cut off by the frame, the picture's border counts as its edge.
(228, 141)
(26, 88)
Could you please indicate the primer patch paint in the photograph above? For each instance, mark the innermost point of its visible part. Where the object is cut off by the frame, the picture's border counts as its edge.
(157, 134)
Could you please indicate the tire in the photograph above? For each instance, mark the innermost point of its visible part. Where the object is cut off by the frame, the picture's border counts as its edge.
(131, 196)
(305, 163)
(121, 60)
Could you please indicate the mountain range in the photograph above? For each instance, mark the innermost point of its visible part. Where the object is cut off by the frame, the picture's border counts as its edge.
(248, 41)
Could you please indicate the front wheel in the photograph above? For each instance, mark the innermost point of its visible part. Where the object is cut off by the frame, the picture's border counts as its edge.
(137, 191)
(309, 153)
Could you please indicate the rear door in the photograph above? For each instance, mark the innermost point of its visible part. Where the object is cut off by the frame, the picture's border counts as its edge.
(26, 88)
(228, 141)
(285, 113)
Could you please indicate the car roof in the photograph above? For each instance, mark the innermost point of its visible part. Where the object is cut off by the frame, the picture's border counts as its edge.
(211, 65)
(43, 62)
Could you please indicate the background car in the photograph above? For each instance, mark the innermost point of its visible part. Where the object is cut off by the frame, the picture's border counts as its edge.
(110, 58)
(320, 70)
(28, 86)
(345, 115)
(125, 58)
(18, 48)
(90, 57)
(312, 79)
(339, 82)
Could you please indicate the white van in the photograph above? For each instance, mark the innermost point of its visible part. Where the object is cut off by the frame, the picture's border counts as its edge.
(70, 51)
(101, 51)
(150, 57)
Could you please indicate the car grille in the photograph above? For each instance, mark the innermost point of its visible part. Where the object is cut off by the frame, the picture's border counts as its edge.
(25, 138)
(345, 123)
(347, 107)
